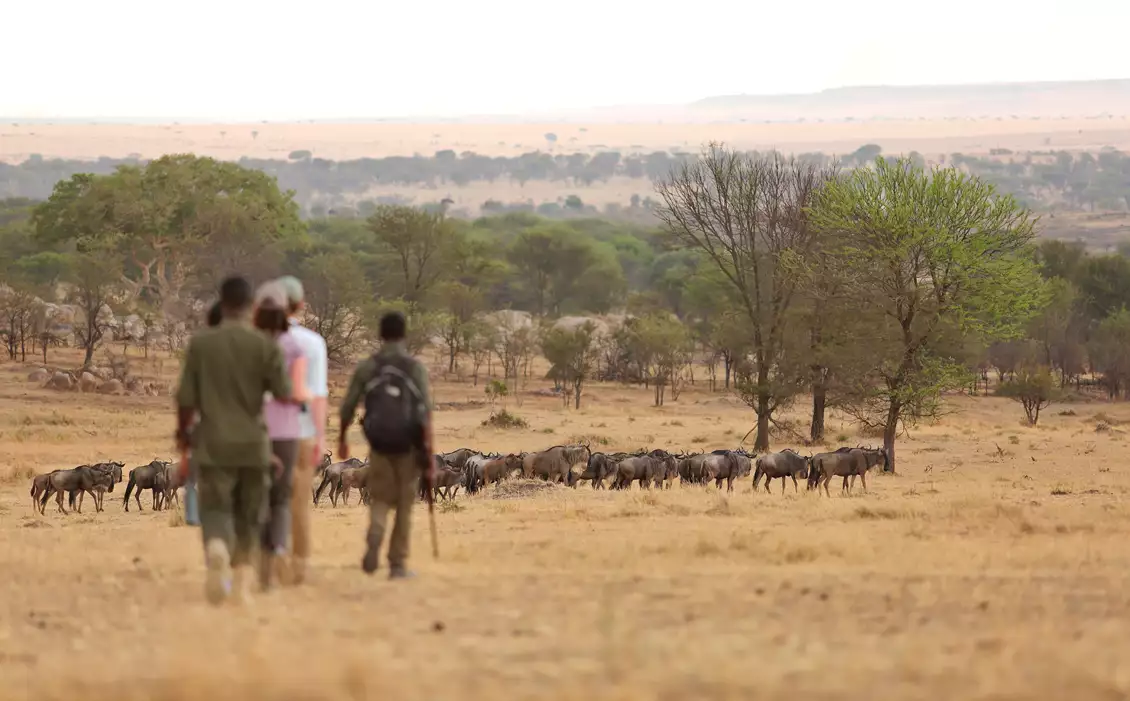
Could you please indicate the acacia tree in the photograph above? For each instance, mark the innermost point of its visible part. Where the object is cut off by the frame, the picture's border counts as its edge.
(169, 219)
(926, 254)
(419, 246)
(572, 353)
(748, 214)
(337, 301)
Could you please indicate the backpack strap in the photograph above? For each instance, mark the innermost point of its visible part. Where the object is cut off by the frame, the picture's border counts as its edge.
(400, 366)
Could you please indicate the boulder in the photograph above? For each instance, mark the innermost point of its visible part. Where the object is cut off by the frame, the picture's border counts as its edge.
(62, 381)
(111, 386)
(40, 376)
(88, 382)
(134, 385)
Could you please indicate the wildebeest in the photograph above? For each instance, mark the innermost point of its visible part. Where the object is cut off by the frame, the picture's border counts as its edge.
(60, 482)
(491, 470)
(472, 466)
(103, 477)
(153, 477)
(845, 462)
(354, 476)
(785, 464)
(653, 468)
(447, 483)
(456, 459)
(602, 466)
(719, 465)
(556, 463)
(39, 485)
(331, 477)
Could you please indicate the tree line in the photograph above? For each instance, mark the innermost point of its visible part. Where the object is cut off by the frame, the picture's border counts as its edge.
(873, 290)
(1049, 180)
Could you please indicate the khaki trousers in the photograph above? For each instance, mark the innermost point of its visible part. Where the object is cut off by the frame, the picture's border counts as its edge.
(300, 504)
(393, 481)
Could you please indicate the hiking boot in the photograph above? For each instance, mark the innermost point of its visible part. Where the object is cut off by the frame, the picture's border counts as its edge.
(218, 581)
(400, 572)
(371, 561)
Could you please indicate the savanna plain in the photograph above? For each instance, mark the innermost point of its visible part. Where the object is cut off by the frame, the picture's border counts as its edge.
(993, 565)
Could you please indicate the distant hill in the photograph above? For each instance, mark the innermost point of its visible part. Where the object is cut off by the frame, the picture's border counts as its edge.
(1024, 100)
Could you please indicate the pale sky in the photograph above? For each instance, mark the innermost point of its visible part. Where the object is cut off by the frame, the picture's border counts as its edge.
(282, 60)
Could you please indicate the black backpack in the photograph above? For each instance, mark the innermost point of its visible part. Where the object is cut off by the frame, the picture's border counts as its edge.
(394, 408)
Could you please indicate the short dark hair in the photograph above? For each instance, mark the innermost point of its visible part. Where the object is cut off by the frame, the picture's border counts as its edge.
(271, 317)
(235, 294)
(393, 327)
(215, 315)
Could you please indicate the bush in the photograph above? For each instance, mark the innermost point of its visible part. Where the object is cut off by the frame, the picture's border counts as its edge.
(1034, 388)
(504, 419)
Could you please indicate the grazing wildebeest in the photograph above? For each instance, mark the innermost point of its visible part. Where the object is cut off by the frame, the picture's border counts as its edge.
(153, 477)
(331, 477)
(354, 476)
(845, 462)
(492, 470)
(785, 464)
(555, 464)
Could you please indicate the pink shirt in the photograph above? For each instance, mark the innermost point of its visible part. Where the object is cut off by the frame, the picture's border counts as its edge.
(283, 418)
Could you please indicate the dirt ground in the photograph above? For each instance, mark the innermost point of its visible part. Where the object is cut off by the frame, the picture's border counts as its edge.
(993, 566)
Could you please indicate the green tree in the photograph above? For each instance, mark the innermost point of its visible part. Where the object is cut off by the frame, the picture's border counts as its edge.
(419, 246)
(1109, 350)
(924, 252)
(169, 219)
(572, 354)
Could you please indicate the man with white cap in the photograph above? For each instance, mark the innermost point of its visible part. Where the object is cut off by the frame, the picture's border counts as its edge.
(312, 434)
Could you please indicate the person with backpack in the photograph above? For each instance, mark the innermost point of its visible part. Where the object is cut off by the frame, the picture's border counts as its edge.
(398, 427)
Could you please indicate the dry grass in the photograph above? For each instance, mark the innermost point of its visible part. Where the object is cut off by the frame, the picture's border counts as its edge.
(1000, 577)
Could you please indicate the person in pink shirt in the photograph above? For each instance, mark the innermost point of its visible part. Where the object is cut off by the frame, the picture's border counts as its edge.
(283, 428)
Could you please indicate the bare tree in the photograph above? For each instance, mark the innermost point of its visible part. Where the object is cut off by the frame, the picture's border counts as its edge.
(748, 214)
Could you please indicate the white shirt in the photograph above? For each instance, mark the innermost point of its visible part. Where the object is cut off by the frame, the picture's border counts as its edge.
(317, 371)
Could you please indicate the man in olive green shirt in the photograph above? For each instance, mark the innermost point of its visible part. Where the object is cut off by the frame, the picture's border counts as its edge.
(227, 369)
(393, 479)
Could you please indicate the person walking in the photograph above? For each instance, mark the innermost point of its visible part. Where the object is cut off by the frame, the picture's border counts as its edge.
(282, 419)
(312, 427)
(398, 427)
(188, 458)
(226, 371)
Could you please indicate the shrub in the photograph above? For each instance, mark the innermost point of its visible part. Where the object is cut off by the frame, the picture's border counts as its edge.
(504, 419)
(1034, 388)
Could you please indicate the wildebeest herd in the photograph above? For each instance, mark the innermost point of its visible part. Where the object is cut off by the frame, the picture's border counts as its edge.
(472, 471)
